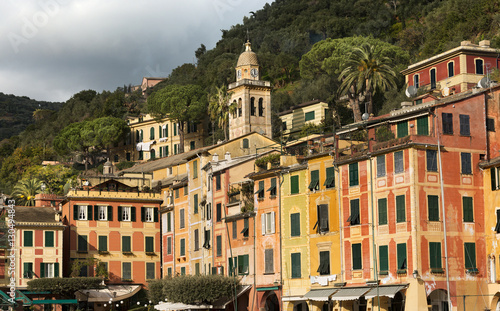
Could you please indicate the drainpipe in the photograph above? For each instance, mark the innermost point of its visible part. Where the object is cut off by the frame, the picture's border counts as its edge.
(280, 182)
(339, 190)
(375, 270)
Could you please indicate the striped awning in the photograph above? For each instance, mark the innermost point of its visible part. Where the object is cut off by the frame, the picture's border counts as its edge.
(320, 294)
(387, 291)
(350, 293)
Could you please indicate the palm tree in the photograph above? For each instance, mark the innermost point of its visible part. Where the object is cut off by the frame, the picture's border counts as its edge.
(219, 108)
(365, 72)
(25, 190)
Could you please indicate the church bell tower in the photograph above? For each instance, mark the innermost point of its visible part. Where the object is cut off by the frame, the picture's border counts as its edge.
(251, 97)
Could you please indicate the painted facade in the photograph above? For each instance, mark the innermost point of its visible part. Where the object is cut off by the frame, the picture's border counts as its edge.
(294, 119)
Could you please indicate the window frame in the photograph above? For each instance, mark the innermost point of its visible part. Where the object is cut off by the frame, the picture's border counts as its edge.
(464, 124)
(400, 208)
(382, 211)
(447, 123)
(431, 163)
(353, 174)
(399, 162)
(381, 171)
(357, 256)
(295, 224)
(27, 233)
(467, 209)
(433, 208)
(466, 163)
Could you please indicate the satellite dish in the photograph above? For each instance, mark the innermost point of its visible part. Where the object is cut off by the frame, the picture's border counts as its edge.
(411, 91)
(365, 116)
(484, 83)
(445, 91)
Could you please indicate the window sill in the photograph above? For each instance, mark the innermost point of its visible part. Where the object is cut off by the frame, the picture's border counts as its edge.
(126, 280)
(273, 197)
(268, 273)
(401, 271)
(82, 252)
(103, 253)
(127, 253)
(151, 254)
(385, 272)
(472, 271)
(437, 270)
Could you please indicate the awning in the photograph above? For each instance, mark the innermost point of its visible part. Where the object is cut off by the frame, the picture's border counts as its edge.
(350, 293)
(223, 302)
(293, 298)
(117, 292)
(320, 294)
(388, 291)
(263, 289)
(180, 306)
(55, 302)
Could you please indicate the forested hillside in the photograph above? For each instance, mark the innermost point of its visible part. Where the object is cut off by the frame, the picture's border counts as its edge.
(301, 46)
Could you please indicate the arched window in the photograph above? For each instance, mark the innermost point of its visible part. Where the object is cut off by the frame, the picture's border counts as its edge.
(252, 106)
(239, 108)
(261, 107)
(416, 82)
(479, 66)
(151, 133)
(141, 136)
(137, 136)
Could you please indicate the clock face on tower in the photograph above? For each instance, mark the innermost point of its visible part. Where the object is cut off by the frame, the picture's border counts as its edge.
(254, 73)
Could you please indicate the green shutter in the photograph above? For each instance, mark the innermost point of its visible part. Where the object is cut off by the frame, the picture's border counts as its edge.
(110, 213)
(400, 209)
(75, 212)
(402, 129)
(433, 207)
(296, 265)
(423, 125)
(401, 250)
(82, 243)
(468, 209)
(357, 263)
(143, 214)
(470, 255)
(294, 184)
(183, 247)
(219, 245)
(493, 179)
(309, 116)
(169, 222)
(314, 184)
(435, 255)
(330, 177)
(155, 214)
(120, 213)
(56, 270)
(49, 238)
(28, 239)
(382, 211)
(103, 243)
(150, 270)
(150, 248)
(126, 244)
(42, 270)
(132, 213)
(295, 224)
(89, 212)
(383, 253)
(353, 174)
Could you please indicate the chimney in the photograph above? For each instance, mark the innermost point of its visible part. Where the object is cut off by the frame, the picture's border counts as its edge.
(215, 157)
(227, 156)
(406, 104)
(484, 43)
(465, 43)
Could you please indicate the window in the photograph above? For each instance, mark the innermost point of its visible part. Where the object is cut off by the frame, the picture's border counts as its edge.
(399, 166)
(182, 223)
(169, 245)
(217, 182)
(126, 243)
(261, 107)
(357, 263)
(153, 154)
(464, 125)
(206, 243)
(423, 125)
(196, 239)
(235, 230)
(468, 209)
(283, 125)
(322, 222)
(165, 131)
(295, 224)
(260, 192)
(149, 214)
(82, 243)
(330, 178)
(126, 213)
(435, 261)
(103, 213)
(177, 193)
(309, 116)
(182, 249)
(383, 255)
(83, 212)
(296, 266)
(466, 163)
(268, 223)
(126, 271)
(497, 227)
(490, 124)
(401, 250)
(141, 155)
(219, 245)
(432, 73)
(103, 243)
(451, 69)
(185, 190)
(150, 270)
(416, 79)
(151, 133)
(175, 148)
(269, 260)
(169, 271)
(354, 216)
(470, 255)
(28, 238)
(400, 209)
(272, 189)
(381, 166)
(183, 270)
(294, 184)
(174, 125)
(243, 264)
(195, 169)
(197, 268)
(314, 184)
(195, 203)
(49, 270)
(402, 129)
(433, 207)
(169, 222)
(447, 123)
(324, 263)
(252, 106)
(150, 244)
(479, 66)
(353, 174)
(192, 145)
(219, 212)
(382, 211)
(431, 156)
(28, 270)
(246, 228)
(245, 143)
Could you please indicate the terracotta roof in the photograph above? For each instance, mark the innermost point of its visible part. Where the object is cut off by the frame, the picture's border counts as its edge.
(35, 214)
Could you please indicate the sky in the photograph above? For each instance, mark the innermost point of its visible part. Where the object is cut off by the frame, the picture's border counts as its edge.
(52, 49)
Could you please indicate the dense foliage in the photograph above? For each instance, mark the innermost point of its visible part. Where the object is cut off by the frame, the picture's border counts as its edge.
(65, 287)
(193, 289)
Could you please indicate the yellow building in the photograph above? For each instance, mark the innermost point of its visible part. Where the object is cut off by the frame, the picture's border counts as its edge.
(294, 119)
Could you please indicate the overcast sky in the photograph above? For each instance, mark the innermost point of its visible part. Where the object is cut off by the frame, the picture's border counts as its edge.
(52, 49)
